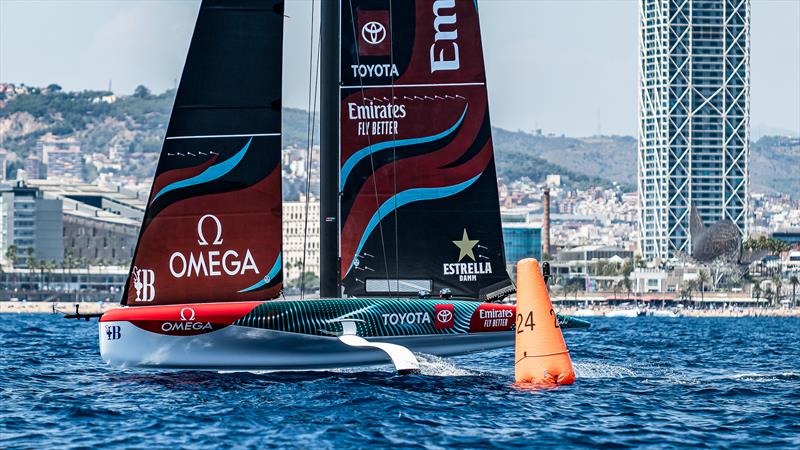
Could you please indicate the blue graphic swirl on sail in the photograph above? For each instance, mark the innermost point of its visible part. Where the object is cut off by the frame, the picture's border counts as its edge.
(356, 157)
(210, 174)
(404, 198)
(273, 272)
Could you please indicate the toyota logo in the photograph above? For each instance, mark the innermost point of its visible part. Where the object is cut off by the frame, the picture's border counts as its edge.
(444, 316)
(373, 33)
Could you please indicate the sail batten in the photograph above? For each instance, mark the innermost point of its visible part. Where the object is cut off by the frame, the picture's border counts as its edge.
(418, 187)
(212, 227)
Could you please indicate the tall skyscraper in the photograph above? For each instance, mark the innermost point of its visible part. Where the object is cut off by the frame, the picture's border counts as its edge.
(694, 119)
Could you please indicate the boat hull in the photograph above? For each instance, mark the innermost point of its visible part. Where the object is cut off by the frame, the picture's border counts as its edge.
(245, 348)
(299, 335)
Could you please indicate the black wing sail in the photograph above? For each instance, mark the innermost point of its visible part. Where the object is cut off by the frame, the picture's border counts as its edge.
(212, 229)
(419, 199)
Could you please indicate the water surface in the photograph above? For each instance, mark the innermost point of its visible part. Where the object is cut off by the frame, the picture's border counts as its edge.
(653, 382)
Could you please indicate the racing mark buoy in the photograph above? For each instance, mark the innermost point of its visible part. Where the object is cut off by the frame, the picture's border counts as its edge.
(541, 355)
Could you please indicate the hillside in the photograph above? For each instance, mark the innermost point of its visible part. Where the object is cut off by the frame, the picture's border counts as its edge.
(596, 161)
(774, 161)
(136, 125)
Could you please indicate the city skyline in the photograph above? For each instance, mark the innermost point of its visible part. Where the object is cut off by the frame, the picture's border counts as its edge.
(574, 85)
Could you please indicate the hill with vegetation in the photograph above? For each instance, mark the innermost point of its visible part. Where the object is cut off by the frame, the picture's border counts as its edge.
(136, 125)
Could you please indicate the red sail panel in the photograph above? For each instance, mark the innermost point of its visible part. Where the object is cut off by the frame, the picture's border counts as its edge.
(212, 228)
(419, 201)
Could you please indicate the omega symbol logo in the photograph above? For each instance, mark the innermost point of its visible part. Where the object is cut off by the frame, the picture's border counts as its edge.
(202, 236)
(373, 33)
(444, 316)
(187, 314)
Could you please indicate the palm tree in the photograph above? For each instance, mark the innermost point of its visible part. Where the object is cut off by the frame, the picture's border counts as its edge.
(702, 278)
(768, 293)
(756, 290)
(689, 288)
(778, 282)
(626, 282)
(794, 282)
(11, 254)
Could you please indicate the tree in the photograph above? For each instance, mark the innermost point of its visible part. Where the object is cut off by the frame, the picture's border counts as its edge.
(11, 254)
(778, 283)
(688, 288)
(702, 278)
(626, 282)
(142, 91)
(794, 282)
(53, 88)
(309, 281)
(757, 289)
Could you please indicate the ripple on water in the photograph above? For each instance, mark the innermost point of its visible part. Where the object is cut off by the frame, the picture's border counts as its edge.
(647, 381)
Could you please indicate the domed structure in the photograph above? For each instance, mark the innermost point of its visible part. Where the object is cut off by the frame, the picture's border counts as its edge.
(720, 240)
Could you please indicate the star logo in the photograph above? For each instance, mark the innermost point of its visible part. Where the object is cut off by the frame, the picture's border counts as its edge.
(465, 246)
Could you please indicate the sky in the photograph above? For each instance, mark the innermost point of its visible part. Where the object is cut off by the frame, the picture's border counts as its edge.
(563, 66)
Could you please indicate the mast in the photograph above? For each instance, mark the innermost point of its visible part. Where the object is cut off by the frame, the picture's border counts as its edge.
(329, 150)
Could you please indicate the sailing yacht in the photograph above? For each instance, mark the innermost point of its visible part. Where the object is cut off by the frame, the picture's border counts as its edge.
(412, 252)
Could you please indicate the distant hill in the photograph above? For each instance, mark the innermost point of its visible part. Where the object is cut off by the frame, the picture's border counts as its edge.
(598, 161)
(775, 165)
(774, 160)
(137, 125)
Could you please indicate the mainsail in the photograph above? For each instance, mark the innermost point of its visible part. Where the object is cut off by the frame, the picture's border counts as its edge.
(212, 228)
(419, 201)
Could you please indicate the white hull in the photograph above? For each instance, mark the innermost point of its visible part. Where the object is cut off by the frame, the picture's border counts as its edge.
(662, 313)
(623, 313)
(245, 348)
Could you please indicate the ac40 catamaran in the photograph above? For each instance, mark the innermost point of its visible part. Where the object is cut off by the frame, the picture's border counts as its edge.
(408, 197)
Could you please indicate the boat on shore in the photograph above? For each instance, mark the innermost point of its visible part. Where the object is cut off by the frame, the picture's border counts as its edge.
(663, 313)
(625, 312)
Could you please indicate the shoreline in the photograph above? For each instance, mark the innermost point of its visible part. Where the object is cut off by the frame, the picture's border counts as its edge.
(600, 311)
(21, 307)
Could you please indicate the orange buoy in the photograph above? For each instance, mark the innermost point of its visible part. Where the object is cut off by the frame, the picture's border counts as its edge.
(541, 355)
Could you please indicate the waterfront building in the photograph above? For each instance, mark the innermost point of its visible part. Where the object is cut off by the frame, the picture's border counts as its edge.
(3, 163)
(790, 236)
(521, 240)
(33, 167)
(596, 267)
(694, 104)
(300, 237)
(100, 224)
(92, 236)
(62, 158)
(30, 223)
(64, 283)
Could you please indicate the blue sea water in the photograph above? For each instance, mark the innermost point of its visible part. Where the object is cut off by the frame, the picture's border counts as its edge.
(646, 382)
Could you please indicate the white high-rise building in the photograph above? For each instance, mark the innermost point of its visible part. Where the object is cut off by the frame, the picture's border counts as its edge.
(300, 239)
(694, 119)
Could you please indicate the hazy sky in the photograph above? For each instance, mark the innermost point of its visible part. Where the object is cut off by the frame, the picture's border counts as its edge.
(566, 66)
